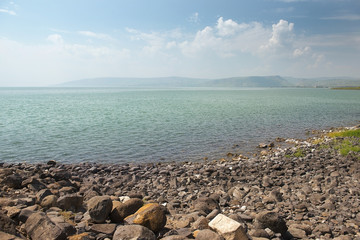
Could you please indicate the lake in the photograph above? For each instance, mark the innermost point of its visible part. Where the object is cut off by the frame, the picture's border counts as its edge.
(114, 125)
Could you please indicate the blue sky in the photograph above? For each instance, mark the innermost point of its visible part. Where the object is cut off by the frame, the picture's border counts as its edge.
(48, 42)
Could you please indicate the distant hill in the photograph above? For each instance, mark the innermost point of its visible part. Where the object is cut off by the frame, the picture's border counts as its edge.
(251, 81)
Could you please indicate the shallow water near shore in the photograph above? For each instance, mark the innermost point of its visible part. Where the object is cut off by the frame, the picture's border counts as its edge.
(72, 125)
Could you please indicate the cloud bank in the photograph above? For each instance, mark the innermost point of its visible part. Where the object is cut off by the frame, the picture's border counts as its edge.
(227, 48)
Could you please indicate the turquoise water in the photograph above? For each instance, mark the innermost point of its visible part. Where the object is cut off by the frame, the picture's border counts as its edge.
(150, 125)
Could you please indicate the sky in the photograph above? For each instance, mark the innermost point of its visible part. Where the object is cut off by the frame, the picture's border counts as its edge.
(43, 42)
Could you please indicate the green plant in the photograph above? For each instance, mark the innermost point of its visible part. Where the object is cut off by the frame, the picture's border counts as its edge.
(346, 133)
(299, 153)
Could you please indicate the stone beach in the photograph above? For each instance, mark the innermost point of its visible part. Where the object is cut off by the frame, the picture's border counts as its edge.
(292, 189)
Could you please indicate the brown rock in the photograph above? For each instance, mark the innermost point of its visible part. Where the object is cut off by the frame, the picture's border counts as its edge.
(7, 224)
(151, 215)
(107, 229)
(206, 205)
(7, 236)
(207, 234)
(38, 226)
(121, 210)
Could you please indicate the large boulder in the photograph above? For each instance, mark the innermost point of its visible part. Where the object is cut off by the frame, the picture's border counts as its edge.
(121, 210)
(151, 215)
(129, 232)
(99, 208)
(39, 226)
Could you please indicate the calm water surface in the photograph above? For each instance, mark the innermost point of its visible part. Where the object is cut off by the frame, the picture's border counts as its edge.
(147, 125)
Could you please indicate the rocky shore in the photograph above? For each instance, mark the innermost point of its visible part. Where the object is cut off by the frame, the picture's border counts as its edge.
(307, 190)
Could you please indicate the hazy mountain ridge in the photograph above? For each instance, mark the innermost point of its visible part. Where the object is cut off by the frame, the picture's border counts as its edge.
(250, 81)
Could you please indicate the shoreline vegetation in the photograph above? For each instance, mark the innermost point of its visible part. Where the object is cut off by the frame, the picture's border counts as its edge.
(347, 88)
(292, 189)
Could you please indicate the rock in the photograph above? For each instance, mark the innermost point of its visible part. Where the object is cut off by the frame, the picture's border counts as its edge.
(273, 221)
(51, 163)
(129, 232)
(207, 234)
(201, 223)
(71, 202)
(175, 237)
(206, 205)
(260, 233)
(322, 229)
(297, 233)
(49, 201)
(42, 194)
(7, 225)
(151, 215)
(122, 210)
(99, 208)
(228, 228)
(107, 229)
(81, 236)
(7, 236)
(13, 181)
(38, 226)
(26, 213)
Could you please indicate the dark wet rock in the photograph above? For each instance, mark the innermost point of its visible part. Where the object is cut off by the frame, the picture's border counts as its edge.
(133, 232)
(273, 221)
(13, 181)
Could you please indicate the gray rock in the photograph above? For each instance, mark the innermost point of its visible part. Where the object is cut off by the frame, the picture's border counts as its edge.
(99, 208)
(130, 232)
(38, 226)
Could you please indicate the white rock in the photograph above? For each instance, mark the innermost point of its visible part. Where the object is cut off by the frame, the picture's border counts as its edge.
(228, 228)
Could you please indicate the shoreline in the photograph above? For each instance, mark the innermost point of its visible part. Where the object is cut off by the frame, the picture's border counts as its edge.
(308, 185)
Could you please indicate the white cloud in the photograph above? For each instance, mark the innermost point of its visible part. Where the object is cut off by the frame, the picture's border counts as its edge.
(95, 35)
(345, 17)
(301, 51)
(282, 34)
(8, 12)
(194, 18)
(55, 39)
(229, 27)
